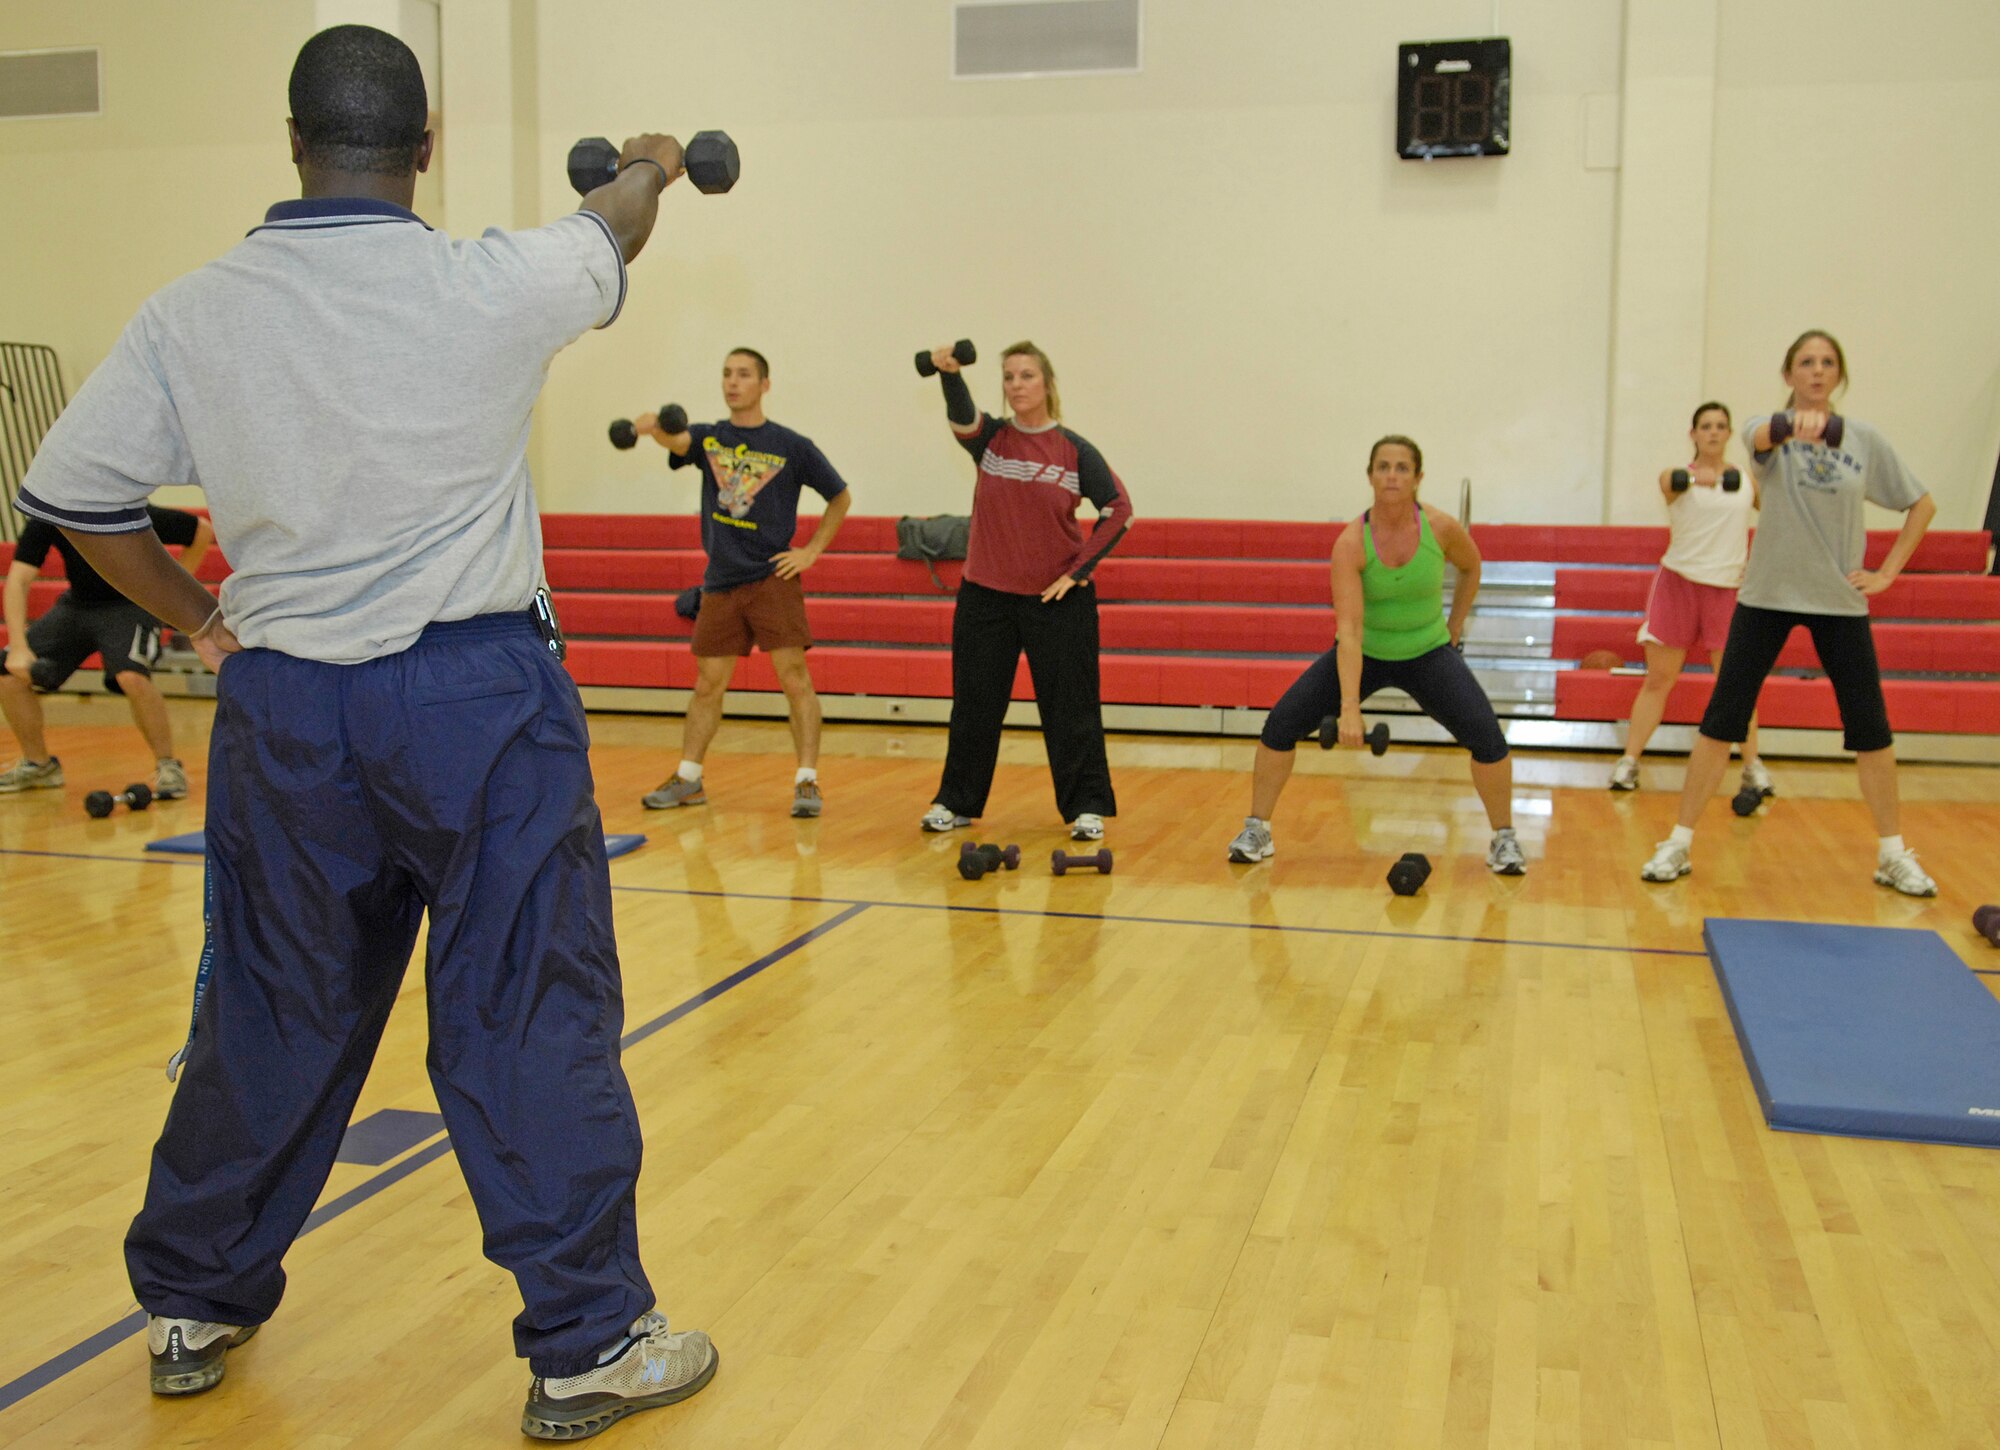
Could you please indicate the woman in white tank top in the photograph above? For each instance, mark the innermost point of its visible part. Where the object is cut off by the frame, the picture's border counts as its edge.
(1709, 509)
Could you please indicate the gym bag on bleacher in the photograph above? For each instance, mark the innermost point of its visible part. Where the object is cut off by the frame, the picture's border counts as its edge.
(942, 536)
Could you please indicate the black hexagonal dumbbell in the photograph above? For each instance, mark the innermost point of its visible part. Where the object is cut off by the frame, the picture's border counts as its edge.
(975, 861)
(963, 350)
(673, 419)
(710, 158)
(1099, 861)
(100, 803)
(1408, 875)
(1986, 921)
(1377, 738)
(1746, 800)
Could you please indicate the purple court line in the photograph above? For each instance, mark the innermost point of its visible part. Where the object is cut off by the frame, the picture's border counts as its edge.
(1498, 941)
(157, 858)
(84, 1351)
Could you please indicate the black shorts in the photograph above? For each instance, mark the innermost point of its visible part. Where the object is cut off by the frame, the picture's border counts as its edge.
(1846, 648)
(1440, 682)
(125, 636)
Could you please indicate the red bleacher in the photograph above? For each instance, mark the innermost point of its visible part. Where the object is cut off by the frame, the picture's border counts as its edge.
(1222, 613)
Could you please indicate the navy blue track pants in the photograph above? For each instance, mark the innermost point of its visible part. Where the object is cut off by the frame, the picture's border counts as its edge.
(344, 801)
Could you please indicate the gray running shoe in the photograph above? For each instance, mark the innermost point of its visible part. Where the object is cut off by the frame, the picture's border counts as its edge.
(1253, 842)
(656, 1367)
(1504, 857)
(1756, 778)
(943, 818)
(26, 775)
(674, 791)
(806, 800)
(1625, 774)
(1087, 827)
(1902, 872)
(170, 781)
(1670, 862)
(187, 1354)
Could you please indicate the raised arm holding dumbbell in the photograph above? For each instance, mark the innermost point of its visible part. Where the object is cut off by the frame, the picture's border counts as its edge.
(668, 428)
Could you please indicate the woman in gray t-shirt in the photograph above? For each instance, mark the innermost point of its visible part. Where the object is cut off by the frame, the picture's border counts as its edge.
(1816, 471)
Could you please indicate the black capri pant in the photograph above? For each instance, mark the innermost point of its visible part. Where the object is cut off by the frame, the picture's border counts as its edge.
(1440, 683)
(1846, 648)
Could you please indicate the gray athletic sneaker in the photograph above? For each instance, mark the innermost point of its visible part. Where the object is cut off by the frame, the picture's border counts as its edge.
(187, 1353)
(170, 781)
(1504, 856)
(1253, 842)
(675, 790)
(1625, 774)
(1756, 778)
(1902, 872)
(1088, 826)
(656, 1367)
(943, 818)
(806, 800)
(26, 775)
(1670, 862)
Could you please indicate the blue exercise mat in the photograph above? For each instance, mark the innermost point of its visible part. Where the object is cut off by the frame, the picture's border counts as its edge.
(1864, 1031)
(195, 843)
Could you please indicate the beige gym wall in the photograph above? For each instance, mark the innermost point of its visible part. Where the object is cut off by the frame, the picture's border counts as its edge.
(1241, 284)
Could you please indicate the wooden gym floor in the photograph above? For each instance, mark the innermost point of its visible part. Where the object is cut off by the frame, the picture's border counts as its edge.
(1192, 1155)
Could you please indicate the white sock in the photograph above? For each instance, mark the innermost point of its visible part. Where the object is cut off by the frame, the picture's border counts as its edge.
(1682, 836)
(1890, 846)
(689, 770)
(805, 773)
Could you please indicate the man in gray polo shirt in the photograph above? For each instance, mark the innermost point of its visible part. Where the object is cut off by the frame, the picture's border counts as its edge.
(393, 732)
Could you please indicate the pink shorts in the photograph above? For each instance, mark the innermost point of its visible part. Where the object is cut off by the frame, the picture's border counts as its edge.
(1682, 614)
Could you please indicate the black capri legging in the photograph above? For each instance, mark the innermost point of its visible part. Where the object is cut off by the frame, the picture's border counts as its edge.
(1846, 648)
(1440, 683)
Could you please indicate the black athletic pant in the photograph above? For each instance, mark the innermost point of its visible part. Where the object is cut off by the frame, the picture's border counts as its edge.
(1846, 645)
(989, 629)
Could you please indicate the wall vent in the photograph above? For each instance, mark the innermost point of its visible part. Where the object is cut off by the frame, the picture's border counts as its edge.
(1044, 38)
(49, 83)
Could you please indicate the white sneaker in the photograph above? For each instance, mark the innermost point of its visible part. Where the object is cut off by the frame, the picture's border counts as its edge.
(1625, 774)
(27, 775)
(170, 782)
(1757, 778)
(187, 1354)
(656, 1367)
(1253, 842)
(1670, 862)
(1087, 827)
(1902, 872)
(1505, 857)
(943, 818)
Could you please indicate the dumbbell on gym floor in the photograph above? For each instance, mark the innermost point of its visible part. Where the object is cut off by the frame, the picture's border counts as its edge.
(1099, 861)
(710, 158)
(1835, 430)
(1681, 478)
(975, 861)
(99, 803)
(1408, 875)
(673, 419)
(1746, 800)
(1986, 921)
(1329, 735)
(963, 350)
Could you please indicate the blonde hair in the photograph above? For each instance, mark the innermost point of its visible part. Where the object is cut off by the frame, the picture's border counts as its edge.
(1024, 348)
(1839, 356)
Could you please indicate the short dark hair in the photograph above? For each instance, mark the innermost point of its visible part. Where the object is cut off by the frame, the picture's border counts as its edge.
(358, 101)
(763, 363)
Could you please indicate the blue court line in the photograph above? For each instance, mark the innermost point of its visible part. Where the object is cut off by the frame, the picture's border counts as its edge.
(1498, 941)
(81, 1353)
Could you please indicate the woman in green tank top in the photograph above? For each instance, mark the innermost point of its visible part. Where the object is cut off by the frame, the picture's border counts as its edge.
(1388, 601)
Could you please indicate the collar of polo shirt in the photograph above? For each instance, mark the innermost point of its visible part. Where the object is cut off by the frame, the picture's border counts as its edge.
(338, 211)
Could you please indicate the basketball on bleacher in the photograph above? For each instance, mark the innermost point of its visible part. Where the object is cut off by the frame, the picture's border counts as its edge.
(1602, 659)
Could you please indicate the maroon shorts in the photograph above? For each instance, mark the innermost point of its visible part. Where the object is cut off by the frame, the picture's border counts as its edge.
(770, 614)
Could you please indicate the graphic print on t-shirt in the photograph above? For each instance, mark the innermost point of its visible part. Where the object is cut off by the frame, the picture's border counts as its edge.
(740, 474)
